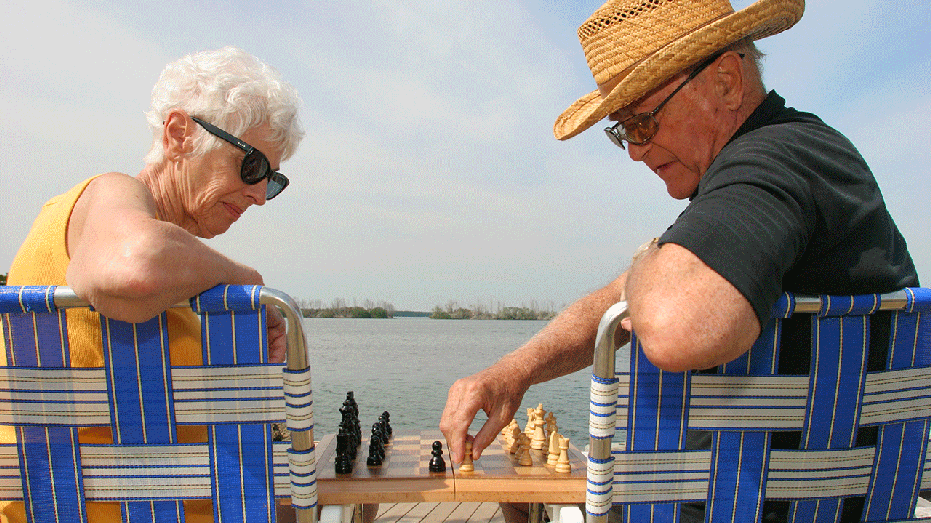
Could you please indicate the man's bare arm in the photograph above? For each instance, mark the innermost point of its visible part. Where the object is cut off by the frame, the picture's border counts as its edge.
(685, 314)
(564, 346)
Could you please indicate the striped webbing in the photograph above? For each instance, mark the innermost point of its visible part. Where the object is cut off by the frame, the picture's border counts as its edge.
(748, 402)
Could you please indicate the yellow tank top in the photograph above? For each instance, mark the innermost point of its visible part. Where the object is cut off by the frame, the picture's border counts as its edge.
(43, 259)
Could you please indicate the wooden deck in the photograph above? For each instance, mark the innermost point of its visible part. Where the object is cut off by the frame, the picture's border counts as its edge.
(439, 512)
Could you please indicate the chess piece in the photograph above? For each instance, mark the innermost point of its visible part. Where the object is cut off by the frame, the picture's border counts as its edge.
(524, 458)
(344, 457)
(467, 465)
(529, 428)
(552, 454)
(538, 441)
(508, 433)
(515, 435)
(437, 464)
(387, 418)
(562, 465)
(343, 464)
(551, 424)
(376, 452)
(353, 419)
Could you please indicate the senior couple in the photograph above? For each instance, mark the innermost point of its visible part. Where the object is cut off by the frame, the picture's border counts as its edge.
(778, 201)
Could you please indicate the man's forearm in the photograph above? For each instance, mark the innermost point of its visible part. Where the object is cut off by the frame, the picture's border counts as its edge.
(567, 343)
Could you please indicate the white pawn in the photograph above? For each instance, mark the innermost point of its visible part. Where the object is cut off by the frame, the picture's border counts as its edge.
(516, 433)
(552, 455)
(551, 424)
(523, 452)
(562, 465)
(467, 465)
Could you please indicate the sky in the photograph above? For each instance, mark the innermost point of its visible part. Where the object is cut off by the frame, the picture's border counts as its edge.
(429, 174)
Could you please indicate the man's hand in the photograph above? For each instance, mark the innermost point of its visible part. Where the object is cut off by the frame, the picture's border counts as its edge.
(492, 391)
(277, 335)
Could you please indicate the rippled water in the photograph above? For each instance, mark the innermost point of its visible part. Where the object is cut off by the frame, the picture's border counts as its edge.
(406, 366)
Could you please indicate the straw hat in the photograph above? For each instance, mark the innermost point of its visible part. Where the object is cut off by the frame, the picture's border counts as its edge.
(634, 46)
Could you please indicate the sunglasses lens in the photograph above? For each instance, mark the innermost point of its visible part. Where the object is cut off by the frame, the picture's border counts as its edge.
(254, 168)
(276, 183)
(640, 128)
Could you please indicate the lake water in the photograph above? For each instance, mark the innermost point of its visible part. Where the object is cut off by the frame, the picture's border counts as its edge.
(406, 366)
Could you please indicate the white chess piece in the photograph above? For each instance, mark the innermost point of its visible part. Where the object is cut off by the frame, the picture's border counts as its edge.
(562, 465)
(539, 437)
(467, 465)
(552, 455)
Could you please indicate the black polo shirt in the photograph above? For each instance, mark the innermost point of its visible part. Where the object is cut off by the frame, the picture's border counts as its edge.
(790, 205)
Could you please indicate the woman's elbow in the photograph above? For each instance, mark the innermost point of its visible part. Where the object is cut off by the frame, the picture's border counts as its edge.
(125, 292)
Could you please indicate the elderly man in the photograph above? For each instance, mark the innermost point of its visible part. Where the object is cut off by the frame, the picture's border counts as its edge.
(779, 201)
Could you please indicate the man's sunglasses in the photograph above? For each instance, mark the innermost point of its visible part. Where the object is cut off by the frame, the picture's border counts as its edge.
(255, 166)
(642, 127)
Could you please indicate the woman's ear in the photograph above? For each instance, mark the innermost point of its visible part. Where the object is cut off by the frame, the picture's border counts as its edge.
(176, 135)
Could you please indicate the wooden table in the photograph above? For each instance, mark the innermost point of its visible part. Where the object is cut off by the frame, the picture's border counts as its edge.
(404, 476)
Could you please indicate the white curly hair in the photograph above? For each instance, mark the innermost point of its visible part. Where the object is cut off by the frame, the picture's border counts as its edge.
(230, 89)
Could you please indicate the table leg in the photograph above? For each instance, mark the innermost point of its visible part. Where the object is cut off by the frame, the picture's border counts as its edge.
(535, 514)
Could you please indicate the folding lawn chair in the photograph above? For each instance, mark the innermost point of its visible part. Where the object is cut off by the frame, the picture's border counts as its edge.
(143, 399)
(846, 442)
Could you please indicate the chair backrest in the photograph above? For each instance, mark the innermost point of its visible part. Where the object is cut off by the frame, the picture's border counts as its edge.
(143, 399)
(845, 442)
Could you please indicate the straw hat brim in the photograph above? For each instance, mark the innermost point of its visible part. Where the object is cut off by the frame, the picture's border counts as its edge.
(763, 18)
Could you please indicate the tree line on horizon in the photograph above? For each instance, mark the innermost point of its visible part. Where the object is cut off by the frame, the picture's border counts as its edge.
(453, 311)
(339, 308)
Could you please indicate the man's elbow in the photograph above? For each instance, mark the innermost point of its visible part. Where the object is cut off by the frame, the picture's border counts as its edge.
(675, 349)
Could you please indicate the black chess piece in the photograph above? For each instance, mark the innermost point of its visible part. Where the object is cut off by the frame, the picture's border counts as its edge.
(351, 402)
(379, 438)
(387, 418)
(437, 463)
(344, 453)
(376, 452)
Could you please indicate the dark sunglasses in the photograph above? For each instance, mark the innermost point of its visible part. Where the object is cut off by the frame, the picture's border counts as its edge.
(642, 127)
(255, 166)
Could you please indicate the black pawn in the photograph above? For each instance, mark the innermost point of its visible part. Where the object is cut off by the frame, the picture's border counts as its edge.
(376, 453)
(387, 417)
(343, 464)
(437, 464)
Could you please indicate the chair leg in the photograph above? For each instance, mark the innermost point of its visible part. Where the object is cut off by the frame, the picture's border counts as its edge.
(535, 513)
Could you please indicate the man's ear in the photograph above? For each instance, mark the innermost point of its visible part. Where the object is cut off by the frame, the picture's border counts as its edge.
(177, 135)
(729, 80)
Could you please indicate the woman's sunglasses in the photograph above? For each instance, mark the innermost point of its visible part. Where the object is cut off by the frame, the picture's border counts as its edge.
(255, 166)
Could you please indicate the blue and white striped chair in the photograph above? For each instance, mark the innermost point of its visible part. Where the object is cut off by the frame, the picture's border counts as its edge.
(859, 421)
(143, 399)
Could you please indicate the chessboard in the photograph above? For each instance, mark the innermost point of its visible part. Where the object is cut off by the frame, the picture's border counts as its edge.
(499, 477)
(404, 475)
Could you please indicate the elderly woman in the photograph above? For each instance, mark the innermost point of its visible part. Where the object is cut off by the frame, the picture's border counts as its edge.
(222, 122)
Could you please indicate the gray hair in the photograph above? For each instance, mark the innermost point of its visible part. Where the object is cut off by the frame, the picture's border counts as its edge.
(230, 89)
(748, 48)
